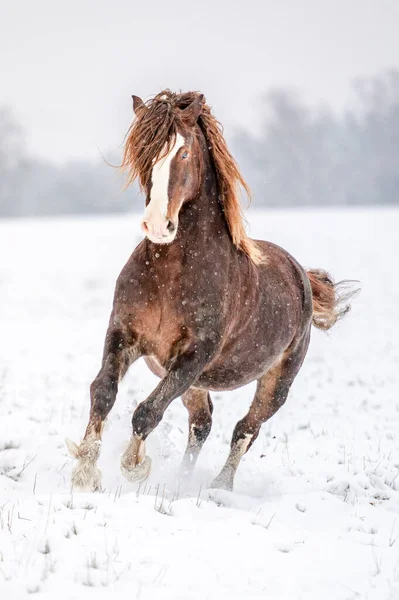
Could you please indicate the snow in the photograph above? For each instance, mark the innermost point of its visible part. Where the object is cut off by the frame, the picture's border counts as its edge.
(315, 510)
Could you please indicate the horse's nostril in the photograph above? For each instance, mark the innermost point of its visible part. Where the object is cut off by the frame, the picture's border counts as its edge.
(171, 227)
(144, 226)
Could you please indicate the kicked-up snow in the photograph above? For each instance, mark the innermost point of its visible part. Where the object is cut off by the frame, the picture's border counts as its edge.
(315, 510)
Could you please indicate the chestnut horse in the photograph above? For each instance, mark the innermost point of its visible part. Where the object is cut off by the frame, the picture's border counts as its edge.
(206, 306)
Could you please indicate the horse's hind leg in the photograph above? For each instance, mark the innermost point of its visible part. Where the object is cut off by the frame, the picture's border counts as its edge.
(271, 393)
(199, 405)
(119, 353)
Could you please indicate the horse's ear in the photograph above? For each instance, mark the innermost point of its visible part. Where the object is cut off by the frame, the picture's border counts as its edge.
(138, 104)
(191, 113)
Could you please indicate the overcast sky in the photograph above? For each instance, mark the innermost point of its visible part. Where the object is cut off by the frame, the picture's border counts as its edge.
(68, 68)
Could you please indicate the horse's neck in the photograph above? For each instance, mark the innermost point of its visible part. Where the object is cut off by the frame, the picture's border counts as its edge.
(202, 226)
(203, 217)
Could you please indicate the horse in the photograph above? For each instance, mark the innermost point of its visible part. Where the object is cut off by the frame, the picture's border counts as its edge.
(207, 307)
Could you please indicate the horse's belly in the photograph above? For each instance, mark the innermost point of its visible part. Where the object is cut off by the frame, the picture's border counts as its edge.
(238, 362)
(218, 378)
(234, 372)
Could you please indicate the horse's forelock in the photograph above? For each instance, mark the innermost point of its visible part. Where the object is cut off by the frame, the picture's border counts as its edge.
(149, 138)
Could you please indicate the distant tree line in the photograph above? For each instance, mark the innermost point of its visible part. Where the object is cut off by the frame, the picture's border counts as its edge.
(300, 156)
(33, 187)
(304, 156)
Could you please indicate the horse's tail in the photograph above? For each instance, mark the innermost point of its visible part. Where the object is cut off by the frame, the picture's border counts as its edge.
(331, 301)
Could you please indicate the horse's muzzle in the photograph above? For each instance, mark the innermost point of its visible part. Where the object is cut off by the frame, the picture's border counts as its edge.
(159, 231)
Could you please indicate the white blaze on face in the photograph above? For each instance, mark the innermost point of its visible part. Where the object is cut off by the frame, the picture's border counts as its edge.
(156, 211)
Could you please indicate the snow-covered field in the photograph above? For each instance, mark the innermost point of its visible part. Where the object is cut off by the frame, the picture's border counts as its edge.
(315, 511)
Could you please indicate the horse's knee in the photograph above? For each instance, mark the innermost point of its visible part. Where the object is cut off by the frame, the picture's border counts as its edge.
(103, 392)
(145, 419)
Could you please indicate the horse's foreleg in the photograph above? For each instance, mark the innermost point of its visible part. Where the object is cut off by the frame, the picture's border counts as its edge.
(119, 352)
(271, 393)
(200, 408)
(183, 373)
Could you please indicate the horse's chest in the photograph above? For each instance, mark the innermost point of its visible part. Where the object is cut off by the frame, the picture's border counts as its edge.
(171, 307)
(159, 327)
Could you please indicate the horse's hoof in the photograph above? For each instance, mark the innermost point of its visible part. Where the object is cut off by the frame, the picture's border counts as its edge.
(139, 472)
(222, 483)
(85, 479)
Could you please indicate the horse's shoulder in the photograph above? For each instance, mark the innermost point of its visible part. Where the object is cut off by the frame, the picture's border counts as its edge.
(133, 274)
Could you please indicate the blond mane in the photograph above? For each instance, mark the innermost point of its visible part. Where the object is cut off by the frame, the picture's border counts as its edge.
(150, 138)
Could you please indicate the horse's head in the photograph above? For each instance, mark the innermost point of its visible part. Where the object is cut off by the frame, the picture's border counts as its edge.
(170, 146)
(175, 175)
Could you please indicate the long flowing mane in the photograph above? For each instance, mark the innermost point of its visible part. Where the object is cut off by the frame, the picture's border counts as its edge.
(150, 138)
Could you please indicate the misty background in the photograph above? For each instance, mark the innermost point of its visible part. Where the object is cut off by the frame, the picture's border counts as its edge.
(308, 93)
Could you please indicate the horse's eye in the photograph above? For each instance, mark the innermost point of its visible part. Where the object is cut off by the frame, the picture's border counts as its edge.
(184, 155)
